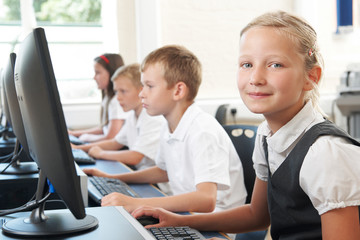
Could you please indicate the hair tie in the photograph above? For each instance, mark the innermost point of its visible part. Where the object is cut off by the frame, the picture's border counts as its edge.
(105, 59)
(311, 52)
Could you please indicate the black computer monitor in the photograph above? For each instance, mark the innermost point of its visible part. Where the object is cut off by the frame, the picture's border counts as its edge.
(15, 120)
(7, 135)
(48, 144)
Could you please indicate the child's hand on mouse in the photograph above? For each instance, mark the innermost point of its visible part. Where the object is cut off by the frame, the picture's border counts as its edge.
(165, 217)
(94, 172)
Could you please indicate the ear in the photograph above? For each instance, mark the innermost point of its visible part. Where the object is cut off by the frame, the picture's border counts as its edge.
(180, 91)
(314, 76)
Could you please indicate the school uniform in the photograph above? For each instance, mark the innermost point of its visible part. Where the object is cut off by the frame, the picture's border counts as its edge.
(142, 135)
(198, 151)
(115, 111)
(311, 167)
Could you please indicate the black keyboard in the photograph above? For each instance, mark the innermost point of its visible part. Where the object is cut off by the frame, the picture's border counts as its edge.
(99, 187)
(176, 233)
(81, 157)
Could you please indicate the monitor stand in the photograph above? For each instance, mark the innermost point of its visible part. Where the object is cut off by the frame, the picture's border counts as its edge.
(19, 168)
(15, 166)
(53, 224)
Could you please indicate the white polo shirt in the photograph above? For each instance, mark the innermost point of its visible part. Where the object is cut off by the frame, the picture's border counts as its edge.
(200, 151)
(115, 111)
(142, 135)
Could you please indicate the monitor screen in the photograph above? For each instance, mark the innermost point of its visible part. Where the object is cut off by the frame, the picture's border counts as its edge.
(15, 120)
(4, 102)
(48, 143)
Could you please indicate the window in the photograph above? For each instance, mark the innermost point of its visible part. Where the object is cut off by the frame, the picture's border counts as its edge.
(74, 33)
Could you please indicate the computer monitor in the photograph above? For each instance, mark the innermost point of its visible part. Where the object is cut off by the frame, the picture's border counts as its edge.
(48, 144)
(15, 120)
(7, 135)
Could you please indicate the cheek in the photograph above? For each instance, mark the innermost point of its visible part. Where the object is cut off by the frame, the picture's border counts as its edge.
(241, 82)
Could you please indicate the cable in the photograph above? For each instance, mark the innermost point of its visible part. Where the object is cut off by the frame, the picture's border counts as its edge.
(14, 158)
(6, 156)
(26, 207)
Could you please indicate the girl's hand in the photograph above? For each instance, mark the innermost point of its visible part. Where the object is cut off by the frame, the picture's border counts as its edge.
(165, 217)
(94, 172)
(118, 199)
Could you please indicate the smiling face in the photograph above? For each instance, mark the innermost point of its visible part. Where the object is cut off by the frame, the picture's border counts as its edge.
(127, 94)
(156, 96)
(102, 76)
(271, 75)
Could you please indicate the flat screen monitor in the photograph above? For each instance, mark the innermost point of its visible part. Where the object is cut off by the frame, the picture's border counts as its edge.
(15, 120)
(7, 135)
(48, 143)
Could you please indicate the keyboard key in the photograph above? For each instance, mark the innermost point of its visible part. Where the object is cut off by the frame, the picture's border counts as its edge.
(81, 157)
(106, 186)
(176, 233)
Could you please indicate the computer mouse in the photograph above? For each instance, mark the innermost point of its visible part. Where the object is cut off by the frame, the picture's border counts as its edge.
(147, 220)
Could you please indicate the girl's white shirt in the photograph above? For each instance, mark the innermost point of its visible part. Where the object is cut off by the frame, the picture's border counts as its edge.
(330, 171)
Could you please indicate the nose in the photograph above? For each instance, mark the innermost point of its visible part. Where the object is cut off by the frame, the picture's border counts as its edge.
(118, 96)
(141, 93)
(257, 76)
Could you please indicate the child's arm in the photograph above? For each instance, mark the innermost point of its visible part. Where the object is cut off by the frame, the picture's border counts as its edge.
(125, 156)
(249, 217)
(148, 175)
(201, 200)
(110, 144)
(114, 127)
(342, 223)
(78, 133)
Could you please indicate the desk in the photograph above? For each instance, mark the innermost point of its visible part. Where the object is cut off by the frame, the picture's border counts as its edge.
(144, 190)
(109, 225)
(112, 226)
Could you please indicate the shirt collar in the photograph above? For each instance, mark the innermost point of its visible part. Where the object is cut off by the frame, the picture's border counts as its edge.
(292, 130)
(139, 120)
(182, 128)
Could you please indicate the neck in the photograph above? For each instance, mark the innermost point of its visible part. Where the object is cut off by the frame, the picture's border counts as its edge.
(174, 117)
(276, 120)
(138, 110)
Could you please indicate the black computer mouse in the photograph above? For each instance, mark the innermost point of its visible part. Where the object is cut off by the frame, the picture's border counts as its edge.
(147, 220)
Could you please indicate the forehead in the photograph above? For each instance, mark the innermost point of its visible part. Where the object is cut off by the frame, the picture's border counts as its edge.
(267, 41)
(153, 72)
(98, 66)
(123, 82)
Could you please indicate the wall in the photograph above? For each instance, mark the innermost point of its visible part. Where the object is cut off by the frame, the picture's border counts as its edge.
(210, 28)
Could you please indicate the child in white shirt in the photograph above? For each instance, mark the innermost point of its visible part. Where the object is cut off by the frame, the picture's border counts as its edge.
(140, 132)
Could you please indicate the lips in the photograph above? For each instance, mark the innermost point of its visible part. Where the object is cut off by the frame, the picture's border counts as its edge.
(258, 95)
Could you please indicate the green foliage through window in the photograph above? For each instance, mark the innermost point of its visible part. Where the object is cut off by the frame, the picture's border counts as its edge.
(56, 11)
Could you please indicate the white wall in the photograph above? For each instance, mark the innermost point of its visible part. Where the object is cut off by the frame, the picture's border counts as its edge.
(210, 28)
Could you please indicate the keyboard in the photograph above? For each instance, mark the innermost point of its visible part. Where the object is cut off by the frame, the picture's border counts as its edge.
(98, 187)
(81, 157)
(175, 233)
(75, 140)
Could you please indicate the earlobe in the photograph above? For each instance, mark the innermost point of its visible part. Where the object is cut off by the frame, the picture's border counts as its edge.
(314, 76)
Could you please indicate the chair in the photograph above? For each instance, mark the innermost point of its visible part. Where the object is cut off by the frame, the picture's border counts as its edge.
(243, 138)
(220, 114)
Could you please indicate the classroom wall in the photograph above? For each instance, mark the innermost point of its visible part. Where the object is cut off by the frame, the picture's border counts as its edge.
(210, 28)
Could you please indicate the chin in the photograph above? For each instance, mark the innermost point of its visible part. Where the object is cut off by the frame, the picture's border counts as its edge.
(152, 113)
